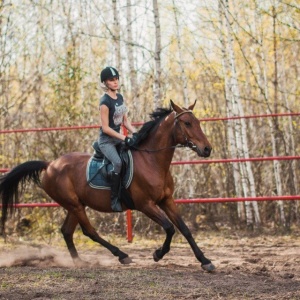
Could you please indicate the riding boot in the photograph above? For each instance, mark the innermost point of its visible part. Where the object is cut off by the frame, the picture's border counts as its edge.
(115, 192)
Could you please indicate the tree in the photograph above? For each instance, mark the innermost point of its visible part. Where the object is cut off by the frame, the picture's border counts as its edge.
(134, 92)
(157, 58)
(237, 133)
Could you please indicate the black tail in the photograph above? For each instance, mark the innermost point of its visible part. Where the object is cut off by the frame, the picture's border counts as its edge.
(9, 183)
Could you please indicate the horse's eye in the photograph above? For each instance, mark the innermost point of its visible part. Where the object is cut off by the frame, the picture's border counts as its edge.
(187, 124)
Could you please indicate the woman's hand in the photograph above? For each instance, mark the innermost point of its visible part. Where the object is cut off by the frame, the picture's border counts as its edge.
(130, 141)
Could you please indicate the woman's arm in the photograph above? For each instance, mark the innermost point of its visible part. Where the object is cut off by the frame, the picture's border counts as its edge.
(104, 113)
(128, 125)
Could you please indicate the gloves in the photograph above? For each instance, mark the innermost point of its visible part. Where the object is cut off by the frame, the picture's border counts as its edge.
(129, 141)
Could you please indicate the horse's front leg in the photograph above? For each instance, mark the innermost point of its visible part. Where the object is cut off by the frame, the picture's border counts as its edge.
(171, 210)
(158, 216)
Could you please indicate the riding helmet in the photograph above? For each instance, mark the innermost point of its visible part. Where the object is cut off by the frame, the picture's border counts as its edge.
(108, 72)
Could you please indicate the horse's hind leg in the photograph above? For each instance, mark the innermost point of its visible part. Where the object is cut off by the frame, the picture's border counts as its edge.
(88, 230)
(67, 230)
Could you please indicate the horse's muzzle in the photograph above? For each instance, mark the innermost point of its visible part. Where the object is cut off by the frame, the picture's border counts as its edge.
(205, 152)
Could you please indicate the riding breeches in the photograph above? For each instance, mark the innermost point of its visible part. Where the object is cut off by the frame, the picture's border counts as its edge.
(108, 147)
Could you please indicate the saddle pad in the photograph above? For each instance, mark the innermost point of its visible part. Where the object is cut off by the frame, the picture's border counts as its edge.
(96, 179)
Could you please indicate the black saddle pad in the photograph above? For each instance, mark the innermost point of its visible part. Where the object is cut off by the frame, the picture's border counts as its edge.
(98, 168)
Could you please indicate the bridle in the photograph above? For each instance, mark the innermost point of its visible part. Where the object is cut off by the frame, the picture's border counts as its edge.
(188, 143)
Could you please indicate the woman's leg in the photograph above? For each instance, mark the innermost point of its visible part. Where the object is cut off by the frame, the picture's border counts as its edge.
(110, 151)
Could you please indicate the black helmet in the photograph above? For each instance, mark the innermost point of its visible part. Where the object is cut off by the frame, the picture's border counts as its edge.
(108, 72)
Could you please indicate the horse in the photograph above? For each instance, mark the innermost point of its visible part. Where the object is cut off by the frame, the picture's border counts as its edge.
(151, 188)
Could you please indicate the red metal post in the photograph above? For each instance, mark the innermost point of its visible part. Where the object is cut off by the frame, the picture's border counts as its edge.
(129, 226)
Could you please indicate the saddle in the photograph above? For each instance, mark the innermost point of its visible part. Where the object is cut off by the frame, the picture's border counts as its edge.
(99, 168)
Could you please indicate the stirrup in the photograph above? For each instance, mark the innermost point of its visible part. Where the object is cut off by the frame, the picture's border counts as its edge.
(116, 206)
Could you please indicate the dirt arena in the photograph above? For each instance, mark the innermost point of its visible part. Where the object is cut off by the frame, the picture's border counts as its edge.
(265, 267)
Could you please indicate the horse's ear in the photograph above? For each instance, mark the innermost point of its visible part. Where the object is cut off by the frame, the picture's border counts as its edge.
(176, 107)
(191, 107)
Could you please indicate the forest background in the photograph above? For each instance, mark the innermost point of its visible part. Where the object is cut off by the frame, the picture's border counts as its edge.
(236, 58)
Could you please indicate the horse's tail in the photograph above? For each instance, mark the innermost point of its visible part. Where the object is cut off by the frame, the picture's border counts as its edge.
(9, 184)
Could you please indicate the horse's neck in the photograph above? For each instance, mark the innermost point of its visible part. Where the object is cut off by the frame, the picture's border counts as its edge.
(161, 145)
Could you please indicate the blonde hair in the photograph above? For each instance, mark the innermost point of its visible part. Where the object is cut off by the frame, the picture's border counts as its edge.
(103, 86)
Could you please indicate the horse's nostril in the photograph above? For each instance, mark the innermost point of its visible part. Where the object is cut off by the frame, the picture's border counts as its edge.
(207, 150)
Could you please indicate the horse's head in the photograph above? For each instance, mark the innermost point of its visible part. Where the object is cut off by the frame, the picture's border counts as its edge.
(188, 131)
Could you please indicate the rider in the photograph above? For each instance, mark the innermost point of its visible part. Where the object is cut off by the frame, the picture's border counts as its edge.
(112, 114)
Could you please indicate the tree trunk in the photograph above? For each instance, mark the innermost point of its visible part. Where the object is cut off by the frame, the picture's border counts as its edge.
(230, 124)
(134, 93)
(275, 124)
(116, 36)
(181, 59)
(240, 128)
(157, 58)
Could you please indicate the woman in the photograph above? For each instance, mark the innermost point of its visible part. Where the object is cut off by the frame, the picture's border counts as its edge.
(112, 115)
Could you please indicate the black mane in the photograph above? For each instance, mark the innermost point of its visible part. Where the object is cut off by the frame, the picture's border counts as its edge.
(156, 117)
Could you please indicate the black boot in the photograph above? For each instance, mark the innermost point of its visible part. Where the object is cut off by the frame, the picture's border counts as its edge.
(115, 192)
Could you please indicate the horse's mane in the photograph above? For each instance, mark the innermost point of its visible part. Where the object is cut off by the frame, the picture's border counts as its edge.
(156, 117)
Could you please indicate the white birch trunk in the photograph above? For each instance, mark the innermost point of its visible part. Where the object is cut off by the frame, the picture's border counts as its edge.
(132, 72)
(230, 124)
(187, 168)
(181, 59)
(157, 58)
(289, 131)
(248, 183)
(116, 36)
(276, 164)
(234, 94)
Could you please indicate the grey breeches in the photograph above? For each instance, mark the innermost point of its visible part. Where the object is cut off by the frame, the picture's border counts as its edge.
(108, 147)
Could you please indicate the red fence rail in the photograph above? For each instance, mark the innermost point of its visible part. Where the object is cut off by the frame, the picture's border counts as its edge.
(182, 201)
(216, 161)
(211, 119)
(178, 201)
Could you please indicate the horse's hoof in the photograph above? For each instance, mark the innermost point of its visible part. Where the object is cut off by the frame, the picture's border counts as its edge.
(125, 261)
(155, 257)
(79, 263)
(209, 267)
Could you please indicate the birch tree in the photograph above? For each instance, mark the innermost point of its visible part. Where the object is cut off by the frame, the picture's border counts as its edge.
(134, 89)
(116, 35)
(157, 56)
(274, 130)
(181, 62)
(235, 108)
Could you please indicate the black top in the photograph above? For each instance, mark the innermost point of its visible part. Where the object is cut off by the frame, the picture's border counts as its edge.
(117, 109)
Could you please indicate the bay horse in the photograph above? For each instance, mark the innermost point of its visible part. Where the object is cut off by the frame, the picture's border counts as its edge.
(151, 189)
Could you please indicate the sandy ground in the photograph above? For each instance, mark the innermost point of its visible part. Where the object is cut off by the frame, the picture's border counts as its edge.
(264, 267)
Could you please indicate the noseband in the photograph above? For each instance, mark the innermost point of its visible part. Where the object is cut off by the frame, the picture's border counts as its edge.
(187, 143)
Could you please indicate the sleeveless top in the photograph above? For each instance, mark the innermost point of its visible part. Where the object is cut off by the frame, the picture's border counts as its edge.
(117, 109)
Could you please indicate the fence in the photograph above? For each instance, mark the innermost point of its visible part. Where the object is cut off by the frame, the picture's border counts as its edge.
(178, 201)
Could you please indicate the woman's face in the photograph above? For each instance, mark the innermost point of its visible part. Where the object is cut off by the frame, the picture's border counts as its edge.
(112, 83)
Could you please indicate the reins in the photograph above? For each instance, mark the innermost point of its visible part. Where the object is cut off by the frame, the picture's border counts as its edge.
(188, 143)
(157, 150)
